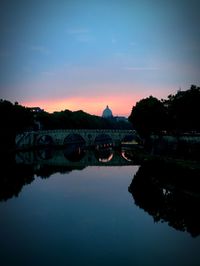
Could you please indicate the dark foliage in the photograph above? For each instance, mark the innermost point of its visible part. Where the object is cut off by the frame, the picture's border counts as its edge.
(13, 176)
(178, 114)
(170, 193)
(184, 110)
(14, 118)
(79, 119)
(149, 115)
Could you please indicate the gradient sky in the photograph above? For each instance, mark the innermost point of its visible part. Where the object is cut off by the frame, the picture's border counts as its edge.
(83, 54)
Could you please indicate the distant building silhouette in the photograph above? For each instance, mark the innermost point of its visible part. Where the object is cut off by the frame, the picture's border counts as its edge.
(121, 118)
(107, 113)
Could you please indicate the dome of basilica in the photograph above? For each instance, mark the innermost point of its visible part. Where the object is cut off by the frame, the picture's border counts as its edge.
(107, 113)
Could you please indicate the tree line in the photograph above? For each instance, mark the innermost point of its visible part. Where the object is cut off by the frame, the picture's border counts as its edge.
(177, 114)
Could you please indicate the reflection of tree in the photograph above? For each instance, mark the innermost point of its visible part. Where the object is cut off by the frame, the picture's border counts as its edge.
(169, 193)
(13, 177)
(45, 171)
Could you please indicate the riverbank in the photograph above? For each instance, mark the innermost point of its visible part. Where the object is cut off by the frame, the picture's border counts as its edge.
(140, 154)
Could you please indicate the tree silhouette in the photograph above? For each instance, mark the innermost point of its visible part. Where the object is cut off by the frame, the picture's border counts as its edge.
(148, 116)
(178, 114)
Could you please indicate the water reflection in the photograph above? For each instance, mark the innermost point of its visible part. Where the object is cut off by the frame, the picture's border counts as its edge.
(170, 193)
(22, 168)
(74, 153)
(74, 156)
(104, 155)
(13, 177)
(43, 154)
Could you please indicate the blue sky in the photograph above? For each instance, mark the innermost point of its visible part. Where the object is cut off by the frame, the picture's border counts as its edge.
(87, 54)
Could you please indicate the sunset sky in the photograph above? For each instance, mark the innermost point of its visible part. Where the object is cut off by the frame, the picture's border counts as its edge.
(79, 54)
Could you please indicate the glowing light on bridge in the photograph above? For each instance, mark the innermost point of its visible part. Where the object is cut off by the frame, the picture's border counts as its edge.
(106, 160)
(123, 154)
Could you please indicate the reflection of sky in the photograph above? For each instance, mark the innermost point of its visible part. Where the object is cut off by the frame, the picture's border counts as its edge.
(88, 217)
(86, 54)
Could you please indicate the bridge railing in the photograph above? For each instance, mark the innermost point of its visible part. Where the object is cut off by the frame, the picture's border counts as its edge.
(85, 130)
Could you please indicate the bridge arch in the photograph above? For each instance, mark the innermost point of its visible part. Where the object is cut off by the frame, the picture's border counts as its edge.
(45, 140)
(74, 155)
(45, 153)
(124, 155)
(103, 140)
(130, 139)
(74, 139)
(104, 155)
(74, 145)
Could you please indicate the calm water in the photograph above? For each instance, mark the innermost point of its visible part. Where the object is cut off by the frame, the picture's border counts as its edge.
(86, 217)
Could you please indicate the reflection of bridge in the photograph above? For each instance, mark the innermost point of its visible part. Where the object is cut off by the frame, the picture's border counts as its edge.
(59, 158)
(88, 137)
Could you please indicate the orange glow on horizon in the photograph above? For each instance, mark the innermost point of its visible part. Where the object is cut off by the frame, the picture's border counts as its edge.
(120, 105)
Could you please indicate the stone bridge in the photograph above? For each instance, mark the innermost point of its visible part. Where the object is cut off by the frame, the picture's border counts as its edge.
(84, 137)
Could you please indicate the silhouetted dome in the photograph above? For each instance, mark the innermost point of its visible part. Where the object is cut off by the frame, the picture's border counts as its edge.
(107, 113)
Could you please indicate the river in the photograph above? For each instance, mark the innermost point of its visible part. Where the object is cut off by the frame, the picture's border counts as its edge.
(82, 211)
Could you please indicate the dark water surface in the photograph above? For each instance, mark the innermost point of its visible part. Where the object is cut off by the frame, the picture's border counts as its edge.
(88, 217)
